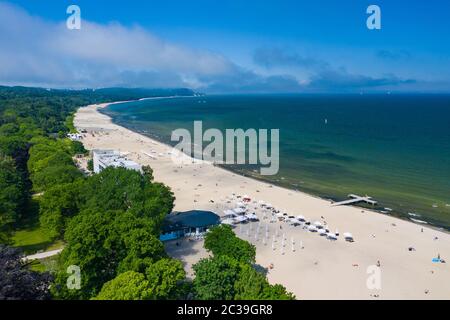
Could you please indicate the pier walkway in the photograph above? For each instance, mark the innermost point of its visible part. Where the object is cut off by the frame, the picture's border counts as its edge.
(355, 199)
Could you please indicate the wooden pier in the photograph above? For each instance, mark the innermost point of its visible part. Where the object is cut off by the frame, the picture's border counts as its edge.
(355, 199)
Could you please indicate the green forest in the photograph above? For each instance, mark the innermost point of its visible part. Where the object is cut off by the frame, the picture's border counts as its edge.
(107, 224)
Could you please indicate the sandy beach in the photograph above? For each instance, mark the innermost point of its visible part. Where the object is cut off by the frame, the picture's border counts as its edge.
(322, 269)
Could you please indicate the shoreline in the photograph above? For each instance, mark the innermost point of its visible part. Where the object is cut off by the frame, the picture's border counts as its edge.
(366, 225)
(396, 214)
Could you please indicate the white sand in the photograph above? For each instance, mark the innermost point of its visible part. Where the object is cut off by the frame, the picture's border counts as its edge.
(323, 269)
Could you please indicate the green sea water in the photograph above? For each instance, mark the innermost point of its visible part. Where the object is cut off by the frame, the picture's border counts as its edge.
(395, 148)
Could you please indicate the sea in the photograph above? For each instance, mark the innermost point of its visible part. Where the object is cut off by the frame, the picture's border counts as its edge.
(394, 148)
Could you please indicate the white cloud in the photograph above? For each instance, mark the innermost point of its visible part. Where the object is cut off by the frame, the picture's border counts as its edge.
(34, 51)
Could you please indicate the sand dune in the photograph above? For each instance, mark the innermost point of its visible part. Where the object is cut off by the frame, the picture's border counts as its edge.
(323, 269)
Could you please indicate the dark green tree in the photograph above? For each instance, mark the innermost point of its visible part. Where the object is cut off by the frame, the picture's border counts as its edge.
(57, 205)
(215, 278)
(90, 165)
(12, 196)
(252, 285)
(221, 240)
(148, 172)
(129, 285)
(166, 278)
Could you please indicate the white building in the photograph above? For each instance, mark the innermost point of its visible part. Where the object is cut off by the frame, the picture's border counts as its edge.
(75, 136)
(111, 158)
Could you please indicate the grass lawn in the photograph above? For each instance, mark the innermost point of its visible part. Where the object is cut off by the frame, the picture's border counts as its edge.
(30, 237)
(44, 265)
(33, 240)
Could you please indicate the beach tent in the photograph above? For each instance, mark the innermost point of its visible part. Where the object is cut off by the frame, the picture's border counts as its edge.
(301, 218)
(318, 225)
(246, 198)
(239, 210)
(228, 221)
(322, 232)
(331, 236)
(229, 213)
(240, 204)
(241, 219)
(348, 237)
(312, 229)
(252, 217)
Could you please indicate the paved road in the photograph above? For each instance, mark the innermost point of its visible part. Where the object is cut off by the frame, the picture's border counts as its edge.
(43, 255)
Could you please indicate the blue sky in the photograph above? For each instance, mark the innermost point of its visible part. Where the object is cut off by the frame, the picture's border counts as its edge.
(229, 46)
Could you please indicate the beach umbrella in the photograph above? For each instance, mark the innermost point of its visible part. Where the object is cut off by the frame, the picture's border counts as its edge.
(228, 222)
(252, 217)
(229, 213)
(239, 210)
(331, 236)
(348, 236)
(240, 219)
(318, 224)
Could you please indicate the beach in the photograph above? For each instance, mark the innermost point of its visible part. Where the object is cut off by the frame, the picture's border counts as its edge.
(317, 268)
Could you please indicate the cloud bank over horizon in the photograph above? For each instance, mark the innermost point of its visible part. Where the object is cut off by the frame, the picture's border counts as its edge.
(36, 52)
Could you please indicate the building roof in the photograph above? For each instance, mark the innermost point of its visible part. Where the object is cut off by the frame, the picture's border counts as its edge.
(112, 158)
(189, 219)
